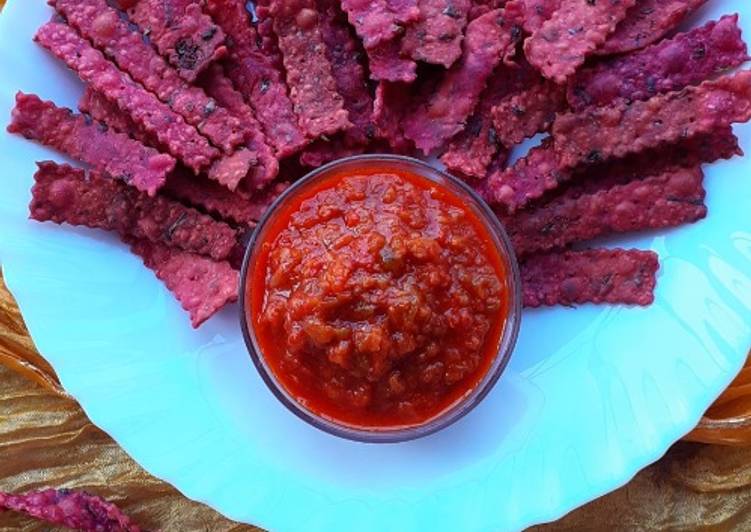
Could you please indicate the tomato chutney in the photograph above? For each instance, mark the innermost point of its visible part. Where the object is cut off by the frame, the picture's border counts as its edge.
(378, 297)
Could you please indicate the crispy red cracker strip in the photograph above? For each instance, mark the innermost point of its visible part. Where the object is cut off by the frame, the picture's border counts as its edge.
(202, 286)
(221, 89)
(262, 87)
(533, 13)
(323, 152)
(436, 37)
(694, 151)
(529, 178)
(345, 55)
(576, 29)
(478, 8)
(207, 196)
(527, 113)
(182, 33)
(108, 151)
(234, 20)
(64, 194)
(687, 59)
(103, 110)
(318, 105)
(230, 170)
(104, 27)
(497, 163)
(72, 509)
(667, 200)
(471, 151)
(257, 78)
(614, 276)
(387, 64)
(647, 22)
(602, 133)
(378, 21)
(390, 107)
(537, 174)
(181, 139)
(268, 41)
(533, 176)
(446, 110)
(238, 254)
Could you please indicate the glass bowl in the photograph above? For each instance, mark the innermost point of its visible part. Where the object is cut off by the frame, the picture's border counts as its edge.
(384, 163)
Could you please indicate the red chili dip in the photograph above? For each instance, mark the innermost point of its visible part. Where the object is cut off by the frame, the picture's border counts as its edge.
(379, 298)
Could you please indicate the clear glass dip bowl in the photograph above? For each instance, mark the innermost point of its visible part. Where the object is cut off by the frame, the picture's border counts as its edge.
(469, 400)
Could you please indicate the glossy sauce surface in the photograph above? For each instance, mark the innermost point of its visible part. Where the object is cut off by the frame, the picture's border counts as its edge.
(379, 299)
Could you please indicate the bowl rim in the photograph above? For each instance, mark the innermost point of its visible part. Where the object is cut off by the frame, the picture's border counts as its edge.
(507, 341)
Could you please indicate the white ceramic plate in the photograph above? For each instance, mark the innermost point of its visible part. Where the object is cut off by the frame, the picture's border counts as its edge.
(591, 396)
